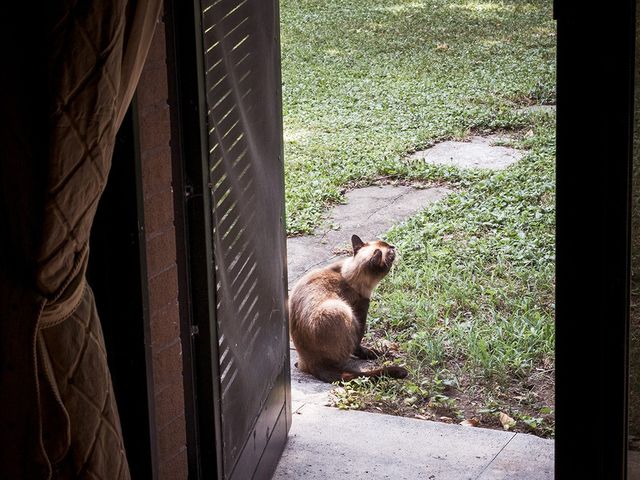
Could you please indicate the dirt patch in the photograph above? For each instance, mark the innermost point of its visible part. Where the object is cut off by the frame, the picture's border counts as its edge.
(530, 403)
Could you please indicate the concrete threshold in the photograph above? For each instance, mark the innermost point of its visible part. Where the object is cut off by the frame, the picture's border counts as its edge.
(327, 443)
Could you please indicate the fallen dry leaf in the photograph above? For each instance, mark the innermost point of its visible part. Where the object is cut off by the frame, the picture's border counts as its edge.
(506, 421)
(410, 400)
(388, 345)
(472, 422)
(421, 417)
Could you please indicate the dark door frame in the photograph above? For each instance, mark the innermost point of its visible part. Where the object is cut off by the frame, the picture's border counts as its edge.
(194, 256)
(594, 135)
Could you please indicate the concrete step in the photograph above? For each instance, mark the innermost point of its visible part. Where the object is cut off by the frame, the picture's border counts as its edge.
(326, 443)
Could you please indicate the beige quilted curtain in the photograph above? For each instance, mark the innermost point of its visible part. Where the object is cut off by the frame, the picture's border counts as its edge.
(58, 417)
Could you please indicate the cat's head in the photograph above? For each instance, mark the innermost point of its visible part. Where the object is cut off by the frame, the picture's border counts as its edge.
(374, 257)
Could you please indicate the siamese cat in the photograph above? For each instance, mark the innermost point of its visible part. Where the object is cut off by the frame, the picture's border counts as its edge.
(328, 313)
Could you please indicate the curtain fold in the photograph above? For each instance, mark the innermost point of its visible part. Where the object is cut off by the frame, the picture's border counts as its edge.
(58, 417)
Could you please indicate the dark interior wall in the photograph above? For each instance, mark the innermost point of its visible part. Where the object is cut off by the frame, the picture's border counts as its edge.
(114, 274)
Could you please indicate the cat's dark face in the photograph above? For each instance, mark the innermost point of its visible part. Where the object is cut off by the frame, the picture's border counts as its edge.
(375, 257)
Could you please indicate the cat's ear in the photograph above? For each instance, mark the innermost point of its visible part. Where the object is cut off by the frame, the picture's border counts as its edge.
(376, 258)
(357, 243)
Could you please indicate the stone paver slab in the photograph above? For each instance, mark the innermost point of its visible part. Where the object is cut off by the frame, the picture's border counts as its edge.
(476, 152)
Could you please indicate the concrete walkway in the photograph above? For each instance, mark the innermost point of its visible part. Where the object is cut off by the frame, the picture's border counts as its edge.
(368, 213)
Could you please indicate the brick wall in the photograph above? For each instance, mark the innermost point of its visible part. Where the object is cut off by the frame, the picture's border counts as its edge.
(155, 154)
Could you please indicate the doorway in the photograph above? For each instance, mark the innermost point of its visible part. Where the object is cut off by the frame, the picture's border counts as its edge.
(432, 124)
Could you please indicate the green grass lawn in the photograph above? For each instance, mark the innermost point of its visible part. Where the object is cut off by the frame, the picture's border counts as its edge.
(469, 309)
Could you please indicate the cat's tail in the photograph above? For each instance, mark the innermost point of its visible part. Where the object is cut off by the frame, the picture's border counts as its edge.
(392, 371)
(331, 374)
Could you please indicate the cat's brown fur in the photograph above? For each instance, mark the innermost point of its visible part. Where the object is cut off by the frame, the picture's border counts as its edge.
(328, 312)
